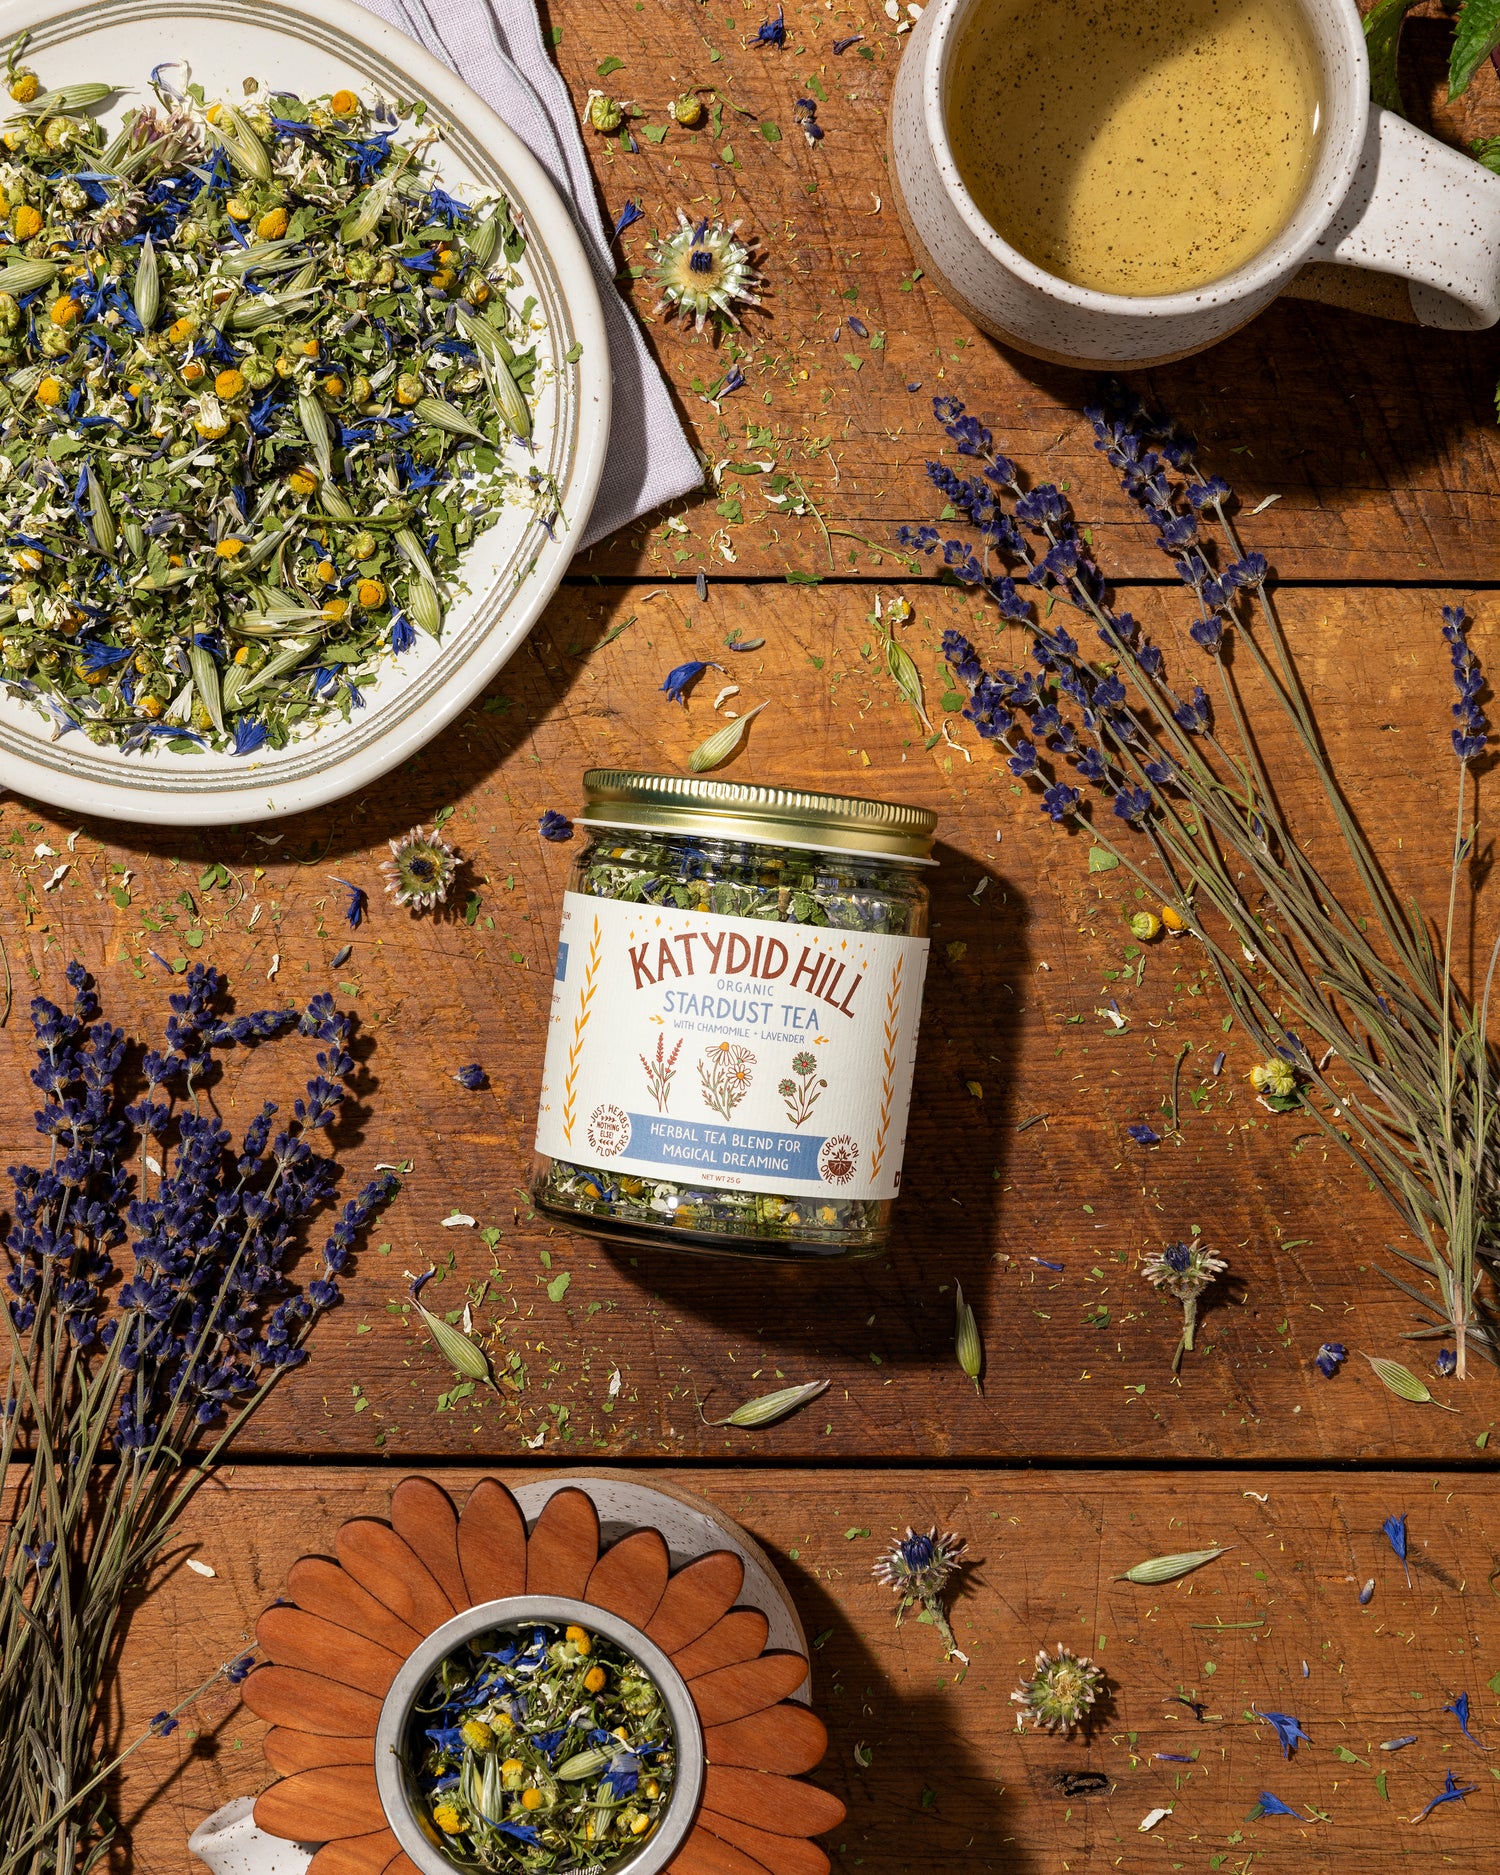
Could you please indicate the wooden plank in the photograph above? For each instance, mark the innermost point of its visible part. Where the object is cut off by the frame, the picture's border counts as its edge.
(981, 1197)
(706, 1854)
(287, 1751)
(1378, 437)
(1048, 1548)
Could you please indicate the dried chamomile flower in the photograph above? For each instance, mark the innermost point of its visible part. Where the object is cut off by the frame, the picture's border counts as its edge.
(703, 268)
(918, 1569)
(420, 869)
(1060, 1692)
(603, 113)
(1274, 1078)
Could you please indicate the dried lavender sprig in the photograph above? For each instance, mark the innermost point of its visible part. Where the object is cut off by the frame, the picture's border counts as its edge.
(1419, 1121)
(206, 1325)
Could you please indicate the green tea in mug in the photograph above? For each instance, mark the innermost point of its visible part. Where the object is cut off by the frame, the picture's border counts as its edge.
(1135, 149)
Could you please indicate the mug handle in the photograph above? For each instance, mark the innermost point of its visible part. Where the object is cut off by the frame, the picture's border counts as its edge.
(1427, 215)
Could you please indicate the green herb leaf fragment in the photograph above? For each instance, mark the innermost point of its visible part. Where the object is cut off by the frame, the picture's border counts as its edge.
(770, 1407)
(1475, 38)
(1169, 1568)
(1383, 41)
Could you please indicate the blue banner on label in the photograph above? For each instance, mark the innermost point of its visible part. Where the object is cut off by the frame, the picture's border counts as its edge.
(559, 975)
(687, 1144)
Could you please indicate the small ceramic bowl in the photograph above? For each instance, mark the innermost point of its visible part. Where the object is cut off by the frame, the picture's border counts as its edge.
(396, 1784)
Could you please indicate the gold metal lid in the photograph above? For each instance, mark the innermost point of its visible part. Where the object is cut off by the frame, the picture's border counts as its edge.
(742, 810)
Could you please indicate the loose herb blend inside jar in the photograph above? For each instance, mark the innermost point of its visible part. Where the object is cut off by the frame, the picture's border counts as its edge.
(734, 1017)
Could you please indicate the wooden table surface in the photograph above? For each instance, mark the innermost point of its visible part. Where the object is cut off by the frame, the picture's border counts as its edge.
(1081, 1455)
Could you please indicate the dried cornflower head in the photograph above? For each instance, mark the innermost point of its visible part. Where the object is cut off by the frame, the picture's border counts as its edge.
(1060, 1692)
(420, 869)
(1184, 1270)
(918, 1566)
(701, 269)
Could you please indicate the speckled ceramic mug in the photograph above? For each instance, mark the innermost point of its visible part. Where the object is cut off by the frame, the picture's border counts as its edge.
(1383, 197)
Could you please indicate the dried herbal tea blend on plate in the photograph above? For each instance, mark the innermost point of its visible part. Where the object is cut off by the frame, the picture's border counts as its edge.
(541, 1749)
(734, 1017)
(262, 380)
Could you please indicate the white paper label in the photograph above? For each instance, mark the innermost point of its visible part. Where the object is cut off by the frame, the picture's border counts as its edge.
(730, 1052)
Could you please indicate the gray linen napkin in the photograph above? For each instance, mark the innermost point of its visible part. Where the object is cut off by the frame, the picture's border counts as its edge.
(496, 48)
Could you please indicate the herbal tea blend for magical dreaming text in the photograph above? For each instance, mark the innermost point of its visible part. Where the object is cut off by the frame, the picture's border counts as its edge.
(734, 1017)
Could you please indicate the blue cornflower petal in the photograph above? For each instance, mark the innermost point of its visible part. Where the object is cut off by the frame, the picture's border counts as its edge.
(359, 900)
(1273, 1806)
(1394, 1530)
(1144, 1135)
(1459, 1707)
(631, 213)
(1287, 1729)
(555, 826)
(472, 1077)
(1451, 1790)
(249, 736)
(770, 32)
(680, 681)
(1329, 1358)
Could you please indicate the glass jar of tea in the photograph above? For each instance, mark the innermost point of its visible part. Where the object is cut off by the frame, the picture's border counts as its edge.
(734, 1017)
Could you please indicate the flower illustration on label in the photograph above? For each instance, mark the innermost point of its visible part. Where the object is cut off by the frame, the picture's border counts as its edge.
(725, 1074)
(609, 1131)
(660, 1070)
(801, 1094)
(838, 1159)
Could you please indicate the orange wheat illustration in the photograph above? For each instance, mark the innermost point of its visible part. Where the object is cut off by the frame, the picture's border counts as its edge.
(580, 1023)
(888, 1080)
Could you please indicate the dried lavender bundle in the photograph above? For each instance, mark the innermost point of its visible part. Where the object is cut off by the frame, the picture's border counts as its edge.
(1356, 1007)
(119, 1400)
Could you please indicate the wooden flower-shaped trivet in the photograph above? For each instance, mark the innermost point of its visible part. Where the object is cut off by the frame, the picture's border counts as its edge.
(334, 1653)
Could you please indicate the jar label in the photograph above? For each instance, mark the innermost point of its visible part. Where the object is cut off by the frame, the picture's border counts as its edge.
(730, 1052)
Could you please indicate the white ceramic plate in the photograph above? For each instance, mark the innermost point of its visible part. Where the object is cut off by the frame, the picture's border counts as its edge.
(511, 570)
